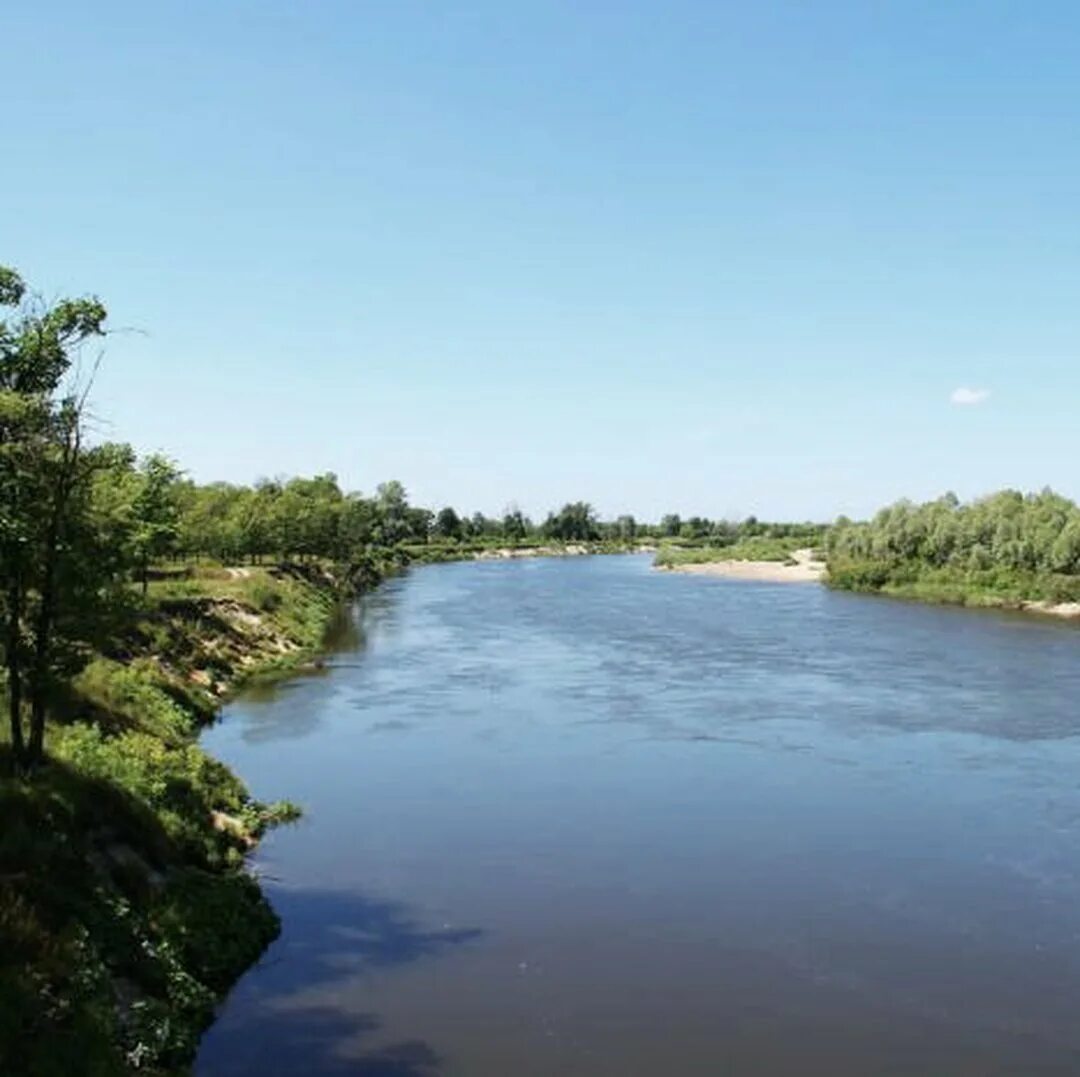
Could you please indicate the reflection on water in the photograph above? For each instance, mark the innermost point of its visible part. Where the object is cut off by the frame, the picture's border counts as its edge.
(344, 634)
(575, 817)
(332, 936)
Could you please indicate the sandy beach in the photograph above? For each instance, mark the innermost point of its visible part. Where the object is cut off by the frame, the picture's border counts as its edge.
(804, 570)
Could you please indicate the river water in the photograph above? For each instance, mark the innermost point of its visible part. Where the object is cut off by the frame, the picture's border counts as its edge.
(576, 817)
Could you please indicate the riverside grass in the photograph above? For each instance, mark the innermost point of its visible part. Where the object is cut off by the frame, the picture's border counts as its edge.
(125, 908)
(754, 549)
(993, 588)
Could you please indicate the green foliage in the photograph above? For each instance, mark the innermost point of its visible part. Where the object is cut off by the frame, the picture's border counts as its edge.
(132, 696)
(575, 522)
(447, 524)
(124, 909)
(1005, 549)
(107, 964)
(215, 923)
(155, 512)
(264, 595)
(180, 786)
(53, 567)
(751, 549)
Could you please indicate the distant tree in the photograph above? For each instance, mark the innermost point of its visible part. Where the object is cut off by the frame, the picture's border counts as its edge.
(155, 512)
(481, 526)
(1034, 534)
(447, 524)
(696, 527)
(357, 525)
(515, 526)
(420, 523)
(670, 525)
(724, 533)
(392, 503)
(574, 522)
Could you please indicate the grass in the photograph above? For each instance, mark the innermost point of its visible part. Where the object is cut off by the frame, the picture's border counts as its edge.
(987, 588)
(753, 549)
(224, 629)
(125, 910)
(107, 966)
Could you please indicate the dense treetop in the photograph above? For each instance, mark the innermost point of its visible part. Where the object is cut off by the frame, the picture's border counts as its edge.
(1031, 532)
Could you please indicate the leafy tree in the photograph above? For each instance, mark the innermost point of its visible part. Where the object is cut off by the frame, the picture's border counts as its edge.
(697, 527)
(670, 525)
(155, 512)
(574, 522)
(447, 524)
(515, 526)
(357, 525)
(45, 484)
(1021, 538)
(392, 503)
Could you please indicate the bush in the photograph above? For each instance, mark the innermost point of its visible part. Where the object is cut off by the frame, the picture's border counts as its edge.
(218, 924)
(182, 786)
(130, 697)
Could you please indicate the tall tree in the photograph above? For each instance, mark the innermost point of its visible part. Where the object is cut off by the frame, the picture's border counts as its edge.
(155, 512)
(515, 526)
(393, 506)
(670, 525)
(574, 522)
(447, 524)
(43, 480)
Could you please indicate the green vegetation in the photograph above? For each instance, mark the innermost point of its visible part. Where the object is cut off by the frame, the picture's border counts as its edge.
(125, 911)
(133, 601)
(671, 555)
(700, 541)
(1008, 549)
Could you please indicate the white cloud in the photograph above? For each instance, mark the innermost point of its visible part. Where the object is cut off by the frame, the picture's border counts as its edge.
(967, 397)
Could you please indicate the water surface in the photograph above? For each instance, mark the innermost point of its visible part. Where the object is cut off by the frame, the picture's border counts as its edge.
(575, 817)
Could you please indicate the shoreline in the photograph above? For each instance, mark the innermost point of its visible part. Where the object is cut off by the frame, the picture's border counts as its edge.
(807, 570)
(802, 568)
(570, 549)
(1066, 610)
(178, 865)
(1038, 607)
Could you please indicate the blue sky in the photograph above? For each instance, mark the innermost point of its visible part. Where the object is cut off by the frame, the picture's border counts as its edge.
(696, 257)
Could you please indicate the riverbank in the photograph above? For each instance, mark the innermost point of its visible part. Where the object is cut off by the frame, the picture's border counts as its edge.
(437, 553)
(570, 549)
(800, 566)
(975, 598)
(126, 910)
(1046, 594)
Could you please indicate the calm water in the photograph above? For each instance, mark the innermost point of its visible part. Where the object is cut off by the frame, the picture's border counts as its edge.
(579, 818)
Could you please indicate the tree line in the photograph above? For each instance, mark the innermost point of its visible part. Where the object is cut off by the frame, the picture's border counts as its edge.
(1007, 537)
(81, 523)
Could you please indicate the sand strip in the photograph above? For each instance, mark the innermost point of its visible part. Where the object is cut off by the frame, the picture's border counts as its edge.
(804, 570)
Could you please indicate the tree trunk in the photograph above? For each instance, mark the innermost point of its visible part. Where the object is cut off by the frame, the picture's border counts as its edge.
(39, 675)
(14, 672)
(49, 599)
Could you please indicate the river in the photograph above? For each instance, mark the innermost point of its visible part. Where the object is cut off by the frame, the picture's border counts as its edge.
(577, 817)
